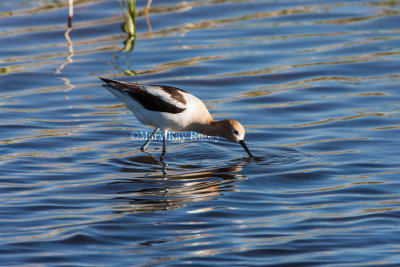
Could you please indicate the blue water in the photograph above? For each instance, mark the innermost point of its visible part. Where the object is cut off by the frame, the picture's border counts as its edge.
(315, 84)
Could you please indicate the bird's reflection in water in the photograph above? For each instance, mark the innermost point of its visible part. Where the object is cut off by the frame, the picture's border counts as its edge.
(172, 188)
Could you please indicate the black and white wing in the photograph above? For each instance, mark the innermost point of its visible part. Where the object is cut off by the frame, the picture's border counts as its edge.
(158, 98)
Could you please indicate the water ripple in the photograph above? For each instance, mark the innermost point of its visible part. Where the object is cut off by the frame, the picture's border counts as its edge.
(314, 83)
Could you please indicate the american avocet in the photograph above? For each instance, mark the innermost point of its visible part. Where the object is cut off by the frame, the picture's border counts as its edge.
(172, 109)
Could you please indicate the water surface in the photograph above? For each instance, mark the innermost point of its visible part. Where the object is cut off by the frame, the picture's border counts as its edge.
(314, 83)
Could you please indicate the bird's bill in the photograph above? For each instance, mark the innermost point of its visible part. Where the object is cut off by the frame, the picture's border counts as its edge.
(246, 148)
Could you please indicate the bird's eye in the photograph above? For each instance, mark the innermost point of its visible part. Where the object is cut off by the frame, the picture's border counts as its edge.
(235, 132)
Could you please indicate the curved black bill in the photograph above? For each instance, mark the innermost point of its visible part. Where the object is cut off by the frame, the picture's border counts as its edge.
(245, 148)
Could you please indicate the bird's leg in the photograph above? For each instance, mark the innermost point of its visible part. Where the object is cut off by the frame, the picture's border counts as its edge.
(164, 145)
(143, 148)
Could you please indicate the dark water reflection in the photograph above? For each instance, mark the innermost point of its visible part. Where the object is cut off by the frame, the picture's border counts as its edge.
(173, 188)
(314, 83)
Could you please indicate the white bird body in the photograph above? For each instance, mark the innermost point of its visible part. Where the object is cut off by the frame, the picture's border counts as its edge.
(166, 120)
(173, 109)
